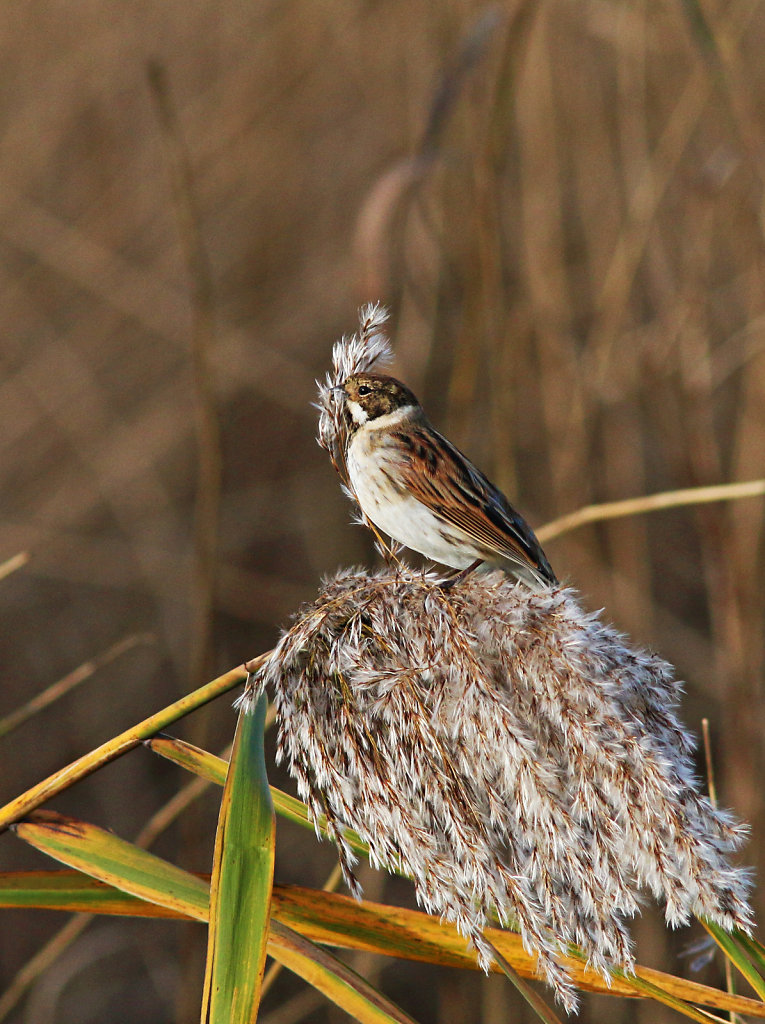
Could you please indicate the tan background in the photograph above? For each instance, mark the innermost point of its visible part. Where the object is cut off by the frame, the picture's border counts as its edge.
(563, 205)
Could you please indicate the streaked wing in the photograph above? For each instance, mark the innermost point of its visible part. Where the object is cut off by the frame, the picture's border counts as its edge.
(447, 482)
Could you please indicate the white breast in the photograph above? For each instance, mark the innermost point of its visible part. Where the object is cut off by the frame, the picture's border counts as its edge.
(371, 469)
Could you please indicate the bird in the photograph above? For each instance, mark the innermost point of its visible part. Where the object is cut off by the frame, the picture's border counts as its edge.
(418, 488)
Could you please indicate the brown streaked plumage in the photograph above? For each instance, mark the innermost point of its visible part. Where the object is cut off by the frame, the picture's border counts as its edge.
(413, 484)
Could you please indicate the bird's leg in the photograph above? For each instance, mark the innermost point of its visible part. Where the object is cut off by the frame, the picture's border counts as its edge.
(461, 575)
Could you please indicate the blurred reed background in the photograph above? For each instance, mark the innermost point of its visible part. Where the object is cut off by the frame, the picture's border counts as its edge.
(563, 205)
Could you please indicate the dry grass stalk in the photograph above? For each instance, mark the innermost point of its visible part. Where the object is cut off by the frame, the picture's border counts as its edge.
(508, 751)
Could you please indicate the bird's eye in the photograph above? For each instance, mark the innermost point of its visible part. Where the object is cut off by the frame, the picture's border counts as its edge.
(364, 389)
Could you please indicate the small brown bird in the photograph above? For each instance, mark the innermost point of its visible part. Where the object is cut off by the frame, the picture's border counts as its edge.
(423, 492)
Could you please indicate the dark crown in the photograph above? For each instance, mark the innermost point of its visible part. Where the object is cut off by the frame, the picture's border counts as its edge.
(377, 394)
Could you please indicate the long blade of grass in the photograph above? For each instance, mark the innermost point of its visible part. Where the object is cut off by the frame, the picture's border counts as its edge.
(371, 927)
(110, 859)
(335, 979)
(242, 880)
(322, 970)
(754, 949)
(61, 940)
(76, 892)
(395, 931)
(213, 768)
(535, 1001)
(116, 747)
(729, 944)
(662, 995)
(414, 935)
(193, 759)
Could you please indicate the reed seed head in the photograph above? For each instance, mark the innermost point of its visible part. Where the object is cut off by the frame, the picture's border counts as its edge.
(506, 750)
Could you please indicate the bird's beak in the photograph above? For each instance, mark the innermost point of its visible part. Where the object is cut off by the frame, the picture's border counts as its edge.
(338, 390)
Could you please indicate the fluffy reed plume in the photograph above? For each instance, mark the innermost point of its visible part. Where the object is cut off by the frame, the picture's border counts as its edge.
(506, 750)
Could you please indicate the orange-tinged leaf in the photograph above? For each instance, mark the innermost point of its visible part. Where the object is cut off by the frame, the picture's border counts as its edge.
(213, 768)
(194, 759)
(74, 892)
(395, 931)
(340, 921)
(113, 860)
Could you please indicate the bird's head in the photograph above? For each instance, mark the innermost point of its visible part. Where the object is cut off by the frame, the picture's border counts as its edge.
(369, 396)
